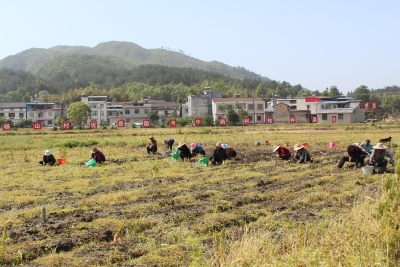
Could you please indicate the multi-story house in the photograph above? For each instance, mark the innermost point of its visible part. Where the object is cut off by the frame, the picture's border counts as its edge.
(202, 104)
(254, 106)
(41, 112)
(14, 111)
(165, 109)
(130, 112)
(98, 104)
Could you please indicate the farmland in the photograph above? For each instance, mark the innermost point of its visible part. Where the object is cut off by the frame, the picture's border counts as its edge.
(177, 213)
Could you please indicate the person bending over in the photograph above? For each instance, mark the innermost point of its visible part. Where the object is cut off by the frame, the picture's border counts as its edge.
(219, 155)
(168, 143)
(48, 159)
(377, 158)
(196, 149)
(283, 152)
(355, 155)
(152, 147)
(184, 151)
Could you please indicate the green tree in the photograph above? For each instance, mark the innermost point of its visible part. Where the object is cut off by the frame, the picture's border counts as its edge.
(232, 117)
(59, 121)
(260, 91)
(222, 107)
(153, 117)
(207, 120)
(362, 93)
(13, 96)
(325, 93)
(242, 113)
(79, 112)
(174, 115)
(333, 91)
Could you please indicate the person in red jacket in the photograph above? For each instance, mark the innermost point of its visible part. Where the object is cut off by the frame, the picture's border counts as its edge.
(283, 152)
(97, 155)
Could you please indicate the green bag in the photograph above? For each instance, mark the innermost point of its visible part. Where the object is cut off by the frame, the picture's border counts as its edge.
(204, 161)
(175, 155)
(91, 163)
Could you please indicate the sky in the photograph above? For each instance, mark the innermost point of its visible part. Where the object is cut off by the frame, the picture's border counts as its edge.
(313, 43)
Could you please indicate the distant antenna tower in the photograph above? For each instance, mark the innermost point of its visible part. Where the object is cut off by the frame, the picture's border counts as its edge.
(206, 83)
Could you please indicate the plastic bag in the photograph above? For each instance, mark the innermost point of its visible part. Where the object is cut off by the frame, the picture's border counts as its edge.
(332, 144)
(204, 161)
(257, 143)
(91, 163)
(175, 155)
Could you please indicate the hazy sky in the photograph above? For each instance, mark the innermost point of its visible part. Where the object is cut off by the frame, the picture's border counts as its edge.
(313, 43)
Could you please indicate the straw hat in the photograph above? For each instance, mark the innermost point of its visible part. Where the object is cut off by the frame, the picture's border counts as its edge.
(193, 146)
(151, 137)
(94, 150)
(379, 146)
(47, 153)
(218, 144)
(275, 148)
(181, 144)
(297, 146)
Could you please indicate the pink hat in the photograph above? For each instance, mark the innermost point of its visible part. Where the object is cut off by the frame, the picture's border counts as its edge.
(193, 146)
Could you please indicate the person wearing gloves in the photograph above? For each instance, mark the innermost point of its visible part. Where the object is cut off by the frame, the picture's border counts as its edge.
(97, 155)
(377, 158)
(196, 149)
(48, 159)
(152, 147)
(283, 152)
(184, 151)
(168, 143)
(219, 155)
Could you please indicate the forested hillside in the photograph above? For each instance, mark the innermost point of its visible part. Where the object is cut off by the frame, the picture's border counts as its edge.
(67, 76)
(33, 59)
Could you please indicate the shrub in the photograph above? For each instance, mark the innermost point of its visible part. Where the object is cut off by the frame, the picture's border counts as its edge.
(55, 128)
(133, 125)
(79, 143)
(104, 127)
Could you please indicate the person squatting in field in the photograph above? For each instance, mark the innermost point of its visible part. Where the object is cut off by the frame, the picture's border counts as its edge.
(196, 149)
(168, 143)
(152, 147)
(377, 158)
(230, 152)
(283, 152)
(355, 155)
(366, 147)
(301, 154)
(48, 158)
(97, 155)
(184, 151)
(219, 155)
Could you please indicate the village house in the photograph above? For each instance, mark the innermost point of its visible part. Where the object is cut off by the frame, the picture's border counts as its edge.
(14, 111)
(199, 105)
(254, 106)
(98, 104)
(129, 112)
(283, 112)
(41, 112)
(340, 112)
(165, 109)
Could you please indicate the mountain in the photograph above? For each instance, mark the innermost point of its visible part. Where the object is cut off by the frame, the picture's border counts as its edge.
(33, 59)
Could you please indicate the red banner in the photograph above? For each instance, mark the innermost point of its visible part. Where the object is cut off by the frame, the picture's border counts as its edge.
(172, 123)
(66, 125)
(146, 123)
(120, 123)
(314, 119)
(93, 125)
(333, 119)
(270, 120)
(6, 126)
(222, 121)
(246, 121)
(292, 119)
(197, 121)
(37, 125)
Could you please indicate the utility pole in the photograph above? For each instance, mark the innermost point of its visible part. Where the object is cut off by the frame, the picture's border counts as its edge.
(62, 107)
(254, 115)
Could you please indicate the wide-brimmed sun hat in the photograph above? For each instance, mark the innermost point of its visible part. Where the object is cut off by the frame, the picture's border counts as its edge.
(181, 144)
(193, 146)
(298, 146)
(47, 153)
(94, 150)
(379, 146)
(276, 148)
(218, 144)
(151, 137)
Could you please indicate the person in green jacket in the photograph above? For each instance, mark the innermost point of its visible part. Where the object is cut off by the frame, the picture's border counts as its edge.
(377, 158)
(48, 158)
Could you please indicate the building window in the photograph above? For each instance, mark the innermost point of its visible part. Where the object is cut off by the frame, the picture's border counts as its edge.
(292, 101)
(324, 117)
(258, 118)
(251, 106)
(127, 111)
(40, 115)
(94, 113)
(243, 106)
(251, 118)
(93, 105)
(157, 111)
(120, 113)
(21, 115)
(137, 111)
(146, 111)
(101, 105)
(340, 117)
(50, 113)
(1, 114)
(30, 114)
(260, 106)
(128, 120)
(334, 106)
(50, 122)
(109, 113)
(293, 108)
(230, 107)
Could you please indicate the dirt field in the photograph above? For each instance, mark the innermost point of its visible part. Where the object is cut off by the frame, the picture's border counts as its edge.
(168, 211)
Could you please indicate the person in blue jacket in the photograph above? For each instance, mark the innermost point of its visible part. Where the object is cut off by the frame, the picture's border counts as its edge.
(196, 149)
(168, 142)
